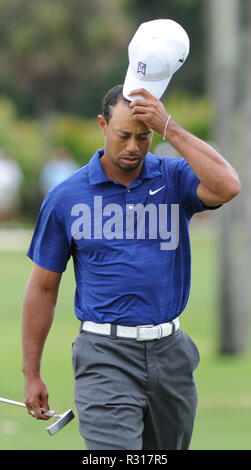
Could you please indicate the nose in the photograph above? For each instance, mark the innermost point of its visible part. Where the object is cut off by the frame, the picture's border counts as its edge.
(132, 145)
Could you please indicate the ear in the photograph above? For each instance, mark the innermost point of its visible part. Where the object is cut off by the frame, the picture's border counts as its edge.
(102, 123)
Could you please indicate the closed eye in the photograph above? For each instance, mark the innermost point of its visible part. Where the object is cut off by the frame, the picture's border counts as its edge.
(144, 136)
(123, 136)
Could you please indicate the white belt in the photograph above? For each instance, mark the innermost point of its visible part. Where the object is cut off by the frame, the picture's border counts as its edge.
(140, 333)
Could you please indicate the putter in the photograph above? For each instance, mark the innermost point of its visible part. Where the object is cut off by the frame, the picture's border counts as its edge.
(61, 420)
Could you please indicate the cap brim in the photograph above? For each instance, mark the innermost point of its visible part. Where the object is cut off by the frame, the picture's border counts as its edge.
(156, 88)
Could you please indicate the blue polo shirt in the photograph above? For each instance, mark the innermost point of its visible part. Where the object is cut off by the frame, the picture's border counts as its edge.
(130, 245)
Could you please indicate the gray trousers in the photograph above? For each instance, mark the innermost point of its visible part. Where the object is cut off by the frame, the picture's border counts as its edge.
(133, 395)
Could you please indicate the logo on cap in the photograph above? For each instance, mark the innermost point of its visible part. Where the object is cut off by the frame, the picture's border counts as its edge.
(141, 68)
(182, 59)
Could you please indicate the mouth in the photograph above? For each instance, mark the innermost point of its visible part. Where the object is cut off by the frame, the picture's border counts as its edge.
(131, 159)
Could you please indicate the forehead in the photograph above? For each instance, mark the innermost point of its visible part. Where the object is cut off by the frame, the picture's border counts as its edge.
(122, 118)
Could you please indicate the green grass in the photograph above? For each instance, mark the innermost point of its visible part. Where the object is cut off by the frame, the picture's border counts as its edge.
(224, 382)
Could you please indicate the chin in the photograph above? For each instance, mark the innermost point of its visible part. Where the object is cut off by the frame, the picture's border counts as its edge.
(128, 166)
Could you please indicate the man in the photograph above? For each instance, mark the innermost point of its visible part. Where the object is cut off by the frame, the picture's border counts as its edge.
(124, 219)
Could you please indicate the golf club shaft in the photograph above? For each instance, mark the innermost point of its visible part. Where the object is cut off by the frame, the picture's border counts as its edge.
(12, 402)
(19, 403)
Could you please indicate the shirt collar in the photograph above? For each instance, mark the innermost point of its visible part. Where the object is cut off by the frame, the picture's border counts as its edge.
(151, 168)
(95, 169)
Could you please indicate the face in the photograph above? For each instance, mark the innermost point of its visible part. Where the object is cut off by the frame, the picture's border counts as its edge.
(127, 141)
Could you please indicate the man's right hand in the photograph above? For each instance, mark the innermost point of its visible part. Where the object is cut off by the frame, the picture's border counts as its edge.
(36, 398)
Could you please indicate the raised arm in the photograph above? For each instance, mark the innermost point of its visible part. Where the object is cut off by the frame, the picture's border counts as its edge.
(38, 312)
(219, 182)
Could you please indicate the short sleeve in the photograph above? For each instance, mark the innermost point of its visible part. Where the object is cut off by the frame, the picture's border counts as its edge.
(49, 247)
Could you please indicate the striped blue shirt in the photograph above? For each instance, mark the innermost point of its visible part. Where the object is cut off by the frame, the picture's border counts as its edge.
(130, 245)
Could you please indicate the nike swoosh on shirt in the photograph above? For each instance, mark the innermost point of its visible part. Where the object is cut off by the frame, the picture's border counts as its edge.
(156, 190)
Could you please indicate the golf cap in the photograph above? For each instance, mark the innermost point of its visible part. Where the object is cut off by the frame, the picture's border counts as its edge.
(157, 50)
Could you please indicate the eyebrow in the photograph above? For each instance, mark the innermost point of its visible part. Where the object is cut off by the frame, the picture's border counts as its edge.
(123, 131)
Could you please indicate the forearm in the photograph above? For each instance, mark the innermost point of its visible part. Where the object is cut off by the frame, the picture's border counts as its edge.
(213, 171)
(38, 313)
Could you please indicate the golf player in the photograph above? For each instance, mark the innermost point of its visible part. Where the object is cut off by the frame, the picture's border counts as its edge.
(124, 219)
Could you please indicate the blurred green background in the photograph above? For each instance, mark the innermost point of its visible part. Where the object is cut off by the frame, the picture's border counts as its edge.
(224, 382)
(57, 60)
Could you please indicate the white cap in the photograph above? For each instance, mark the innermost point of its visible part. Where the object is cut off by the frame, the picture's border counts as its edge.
(157, 50)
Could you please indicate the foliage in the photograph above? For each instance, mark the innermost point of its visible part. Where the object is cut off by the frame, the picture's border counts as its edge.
(80, 135)
(52, 52)
(194, 114)
(61, 56)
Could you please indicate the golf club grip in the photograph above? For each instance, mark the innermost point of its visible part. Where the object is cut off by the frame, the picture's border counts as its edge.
(43, 410)
(50, 412)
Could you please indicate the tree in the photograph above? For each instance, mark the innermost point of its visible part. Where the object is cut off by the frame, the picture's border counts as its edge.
(52, 50)
(61, 55)
(232, 135)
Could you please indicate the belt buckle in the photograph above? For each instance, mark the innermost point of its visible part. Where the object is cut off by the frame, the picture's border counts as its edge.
(138, 338)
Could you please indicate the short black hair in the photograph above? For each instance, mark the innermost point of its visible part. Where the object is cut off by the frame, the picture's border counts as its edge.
(112, 97)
